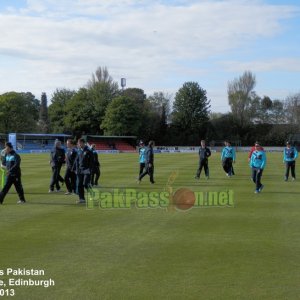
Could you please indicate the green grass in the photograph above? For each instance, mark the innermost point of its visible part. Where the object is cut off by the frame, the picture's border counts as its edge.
(250, 251)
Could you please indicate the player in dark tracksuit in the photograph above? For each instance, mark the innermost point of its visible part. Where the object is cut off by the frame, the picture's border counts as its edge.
(11, 162)
(290, 155)
(149, 167)
(57, 159)
(70, 175)
(96, 167)
(204, 154)
(83, 166)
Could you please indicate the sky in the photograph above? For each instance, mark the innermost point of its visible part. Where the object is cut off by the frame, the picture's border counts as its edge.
(156, 45)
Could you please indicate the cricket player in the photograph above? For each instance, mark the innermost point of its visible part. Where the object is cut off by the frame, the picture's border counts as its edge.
(95, 175)
(142, 159)
(57, 159)
(257, 163)
(83, 166)
(149, 163)
(228, 158)
(290, 155)
(11, 162)
(204, 154)
(70, 176)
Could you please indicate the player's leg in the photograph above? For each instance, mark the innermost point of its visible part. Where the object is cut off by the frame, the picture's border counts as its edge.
(224, 165)
(151, 173)
(97, 175)
(53, 178)
(80, 186)
(67, 179)
(74, 182)
(87, 181)
(254, 171)
(293, 166)
(142, 167)
(229, 168)
(93, 176)
(145, 172)
(59, 178)
(287, 171)
(206, 168)
(7, 185)
(259, 185)
(199, 170)
(19, 188)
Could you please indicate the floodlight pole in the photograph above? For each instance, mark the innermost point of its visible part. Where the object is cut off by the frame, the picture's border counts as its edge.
(123, 83)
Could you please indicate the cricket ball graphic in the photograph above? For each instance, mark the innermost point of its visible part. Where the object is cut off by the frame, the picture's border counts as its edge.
(184, 199)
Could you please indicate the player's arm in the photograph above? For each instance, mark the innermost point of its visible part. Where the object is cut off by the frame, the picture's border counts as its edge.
(208, 152)
(264, 160)
(222, 154)
(250, 154)
(250, 161)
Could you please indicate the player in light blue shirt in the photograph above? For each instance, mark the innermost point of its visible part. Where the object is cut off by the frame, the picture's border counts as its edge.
(290, 155)
(257, 163)
(228, 158)
(142, 156)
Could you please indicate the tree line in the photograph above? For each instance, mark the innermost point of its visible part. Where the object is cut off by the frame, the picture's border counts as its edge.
(102, 108)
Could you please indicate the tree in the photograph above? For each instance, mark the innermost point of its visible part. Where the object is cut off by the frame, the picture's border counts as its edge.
(18, 112)
(79, 111)
(160, 105)
(240, 96)
(277, 113)
(101, 90)
(222, 127)
(292, 108)
(191, 110)
(57, 110)
(136, 94)
(161, 101)
(102, 76)
(43, 122)
(122, 117)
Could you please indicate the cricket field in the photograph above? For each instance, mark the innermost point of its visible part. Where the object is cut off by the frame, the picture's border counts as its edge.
(239, 246)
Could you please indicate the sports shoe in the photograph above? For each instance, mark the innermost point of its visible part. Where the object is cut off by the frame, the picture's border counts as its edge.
(58, 190)
(285, 179)
(293, 179)
(68, 193)
(51, 191)
(21, 202)
(256, 191)
(80, 201)
(197, 178)
(261, 188)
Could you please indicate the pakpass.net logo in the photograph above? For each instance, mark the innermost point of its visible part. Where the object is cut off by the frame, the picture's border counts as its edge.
(182, 199)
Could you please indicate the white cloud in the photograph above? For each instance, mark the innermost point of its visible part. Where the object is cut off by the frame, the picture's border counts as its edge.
(59, 43)
(276, 64)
